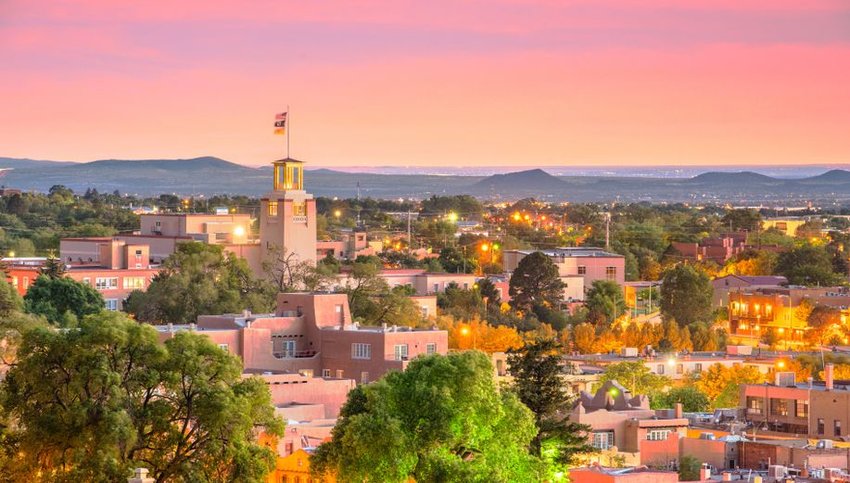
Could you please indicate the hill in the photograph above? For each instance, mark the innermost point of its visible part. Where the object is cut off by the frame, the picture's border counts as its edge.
(532, 180)
(739, 178)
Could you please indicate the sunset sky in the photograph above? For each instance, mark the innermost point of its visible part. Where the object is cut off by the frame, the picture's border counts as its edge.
(457, 83)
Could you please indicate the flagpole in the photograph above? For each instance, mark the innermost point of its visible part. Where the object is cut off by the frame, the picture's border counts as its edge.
(288, 126)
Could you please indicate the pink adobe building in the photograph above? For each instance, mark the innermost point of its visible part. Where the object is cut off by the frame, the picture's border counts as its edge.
(578, 267)
(421, 280)
(600, 474)
(349, 247)
(626, 424)
(313, 334)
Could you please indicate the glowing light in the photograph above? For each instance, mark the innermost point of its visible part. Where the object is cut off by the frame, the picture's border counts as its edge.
(671, 362)
(337, 213)
(516, 216)
(464, 331)
(239, 231)
(452, 216)
(780, 364)
(485, 247)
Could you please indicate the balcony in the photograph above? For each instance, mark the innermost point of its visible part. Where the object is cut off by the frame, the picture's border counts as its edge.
(294, 354)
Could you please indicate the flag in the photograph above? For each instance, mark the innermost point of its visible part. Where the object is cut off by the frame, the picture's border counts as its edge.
(280, 123)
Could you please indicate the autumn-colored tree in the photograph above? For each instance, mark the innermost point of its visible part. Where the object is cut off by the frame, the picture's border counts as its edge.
(584, 338)
(840, 372)
(477, 334)
(720, 383)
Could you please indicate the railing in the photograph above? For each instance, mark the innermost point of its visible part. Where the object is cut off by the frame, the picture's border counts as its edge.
(294, 354)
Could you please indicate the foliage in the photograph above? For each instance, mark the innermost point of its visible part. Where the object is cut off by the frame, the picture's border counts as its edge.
(477, 334)
(289, 274)
(53, 298)
(200, 279)
(442, 419)
(53, 268)
(460, 303)
(689, 468)
(536, 282)
(91, 404)
(808, 265)
(636, 377)
(604, 302)
(686, 295)
(455, 261)
(720, 383)
(691, 398)
(10, 300)
(537, 381)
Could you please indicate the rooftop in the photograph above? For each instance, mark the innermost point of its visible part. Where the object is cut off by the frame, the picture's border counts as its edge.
(574, 252)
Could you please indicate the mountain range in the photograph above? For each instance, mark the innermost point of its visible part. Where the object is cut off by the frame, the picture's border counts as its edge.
(211, 175)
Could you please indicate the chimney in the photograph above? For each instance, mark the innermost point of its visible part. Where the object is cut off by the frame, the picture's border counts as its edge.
(677, 411)
(827, 376)
(705, 473)
(811, 382)
(727, 476)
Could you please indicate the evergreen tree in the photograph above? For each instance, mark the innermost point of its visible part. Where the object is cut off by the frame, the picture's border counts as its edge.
(536, 282)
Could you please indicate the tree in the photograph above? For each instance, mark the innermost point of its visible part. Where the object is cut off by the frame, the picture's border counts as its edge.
(537, 381)
(286, 272)
(808, 265)
(584, 338)
(720, 383)
(686, 295)
(53, 298)
(53, 268)
(92, 403)
(362, 286)
(479, 335)
(200, 279)
(691, 399)
(460, 303)
(441, 419)
(604, 302)
(536, 282)
(636, 377)
(10, 301)
(455, 261)
(689, 468)
(824, 325)
(489, 292)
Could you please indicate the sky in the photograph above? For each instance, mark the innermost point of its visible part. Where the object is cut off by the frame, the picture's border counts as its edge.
(429, 83)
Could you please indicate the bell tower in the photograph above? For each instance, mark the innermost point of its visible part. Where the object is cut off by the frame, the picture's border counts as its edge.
(288, 213)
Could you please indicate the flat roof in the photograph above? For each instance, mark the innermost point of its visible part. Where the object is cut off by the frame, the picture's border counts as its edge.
(573, 252)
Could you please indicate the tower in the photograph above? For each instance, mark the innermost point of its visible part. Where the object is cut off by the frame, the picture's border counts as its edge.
(288, 213)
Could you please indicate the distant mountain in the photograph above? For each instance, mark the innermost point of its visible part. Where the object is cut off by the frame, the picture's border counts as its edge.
(741, 178)
(532, 180)
(210, 175)
(24, 163)
(835, 176)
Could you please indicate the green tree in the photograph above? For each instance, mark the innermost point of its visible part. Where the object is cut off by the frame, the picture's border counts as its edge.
(441, 419)
(53, 268)
(686, 295)
(536, 282)
(636, 377)
(200, 279)
(92, 403)
(808, 265)
(456, 261)
(10, 301)
(362, 287)
(53, 298)
(691, 399)
(488, 291)
(461, 303)
(689, 468)
(605, 302)
(537, 381)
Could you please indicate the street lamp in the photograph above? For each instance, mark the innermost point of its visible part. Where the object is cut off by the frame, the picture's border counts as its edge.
(337, 214)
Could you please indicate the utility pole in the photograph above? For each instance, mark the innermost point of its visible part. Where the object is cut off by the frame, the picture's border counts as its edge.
(408, 231)
(608, 230)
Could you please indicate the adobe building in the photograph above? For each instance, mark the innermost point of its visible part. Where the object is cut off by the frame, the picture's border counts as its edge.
(420, 280)
(641, 474)
(313, 334)
(578, 267)
(626, 425)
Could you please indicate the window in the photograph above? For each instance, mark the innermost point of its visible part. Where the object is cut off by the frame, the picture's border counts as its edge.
(802, 409)
(778, 407)
(364, 378)
(821, 426)
(611, 273)
(698, 367)
(326, 373)
(299, 209)
(361, 351)
(836, 427)
(111, 304)
(755, 405)
(221, 236)
(224, 347)
(680, 368)
(272, 208)
(87, 280)
(26, 283)
(134, 283)
(658, 435)
(288, 349)
(660, 369)
(431, 348)
(436, 287)
(602, 439)
(106, 283)
(582, 270)
(400, 352)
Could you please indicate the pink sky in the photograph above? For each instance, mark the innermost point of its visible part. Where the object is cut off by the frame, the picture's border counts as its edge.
(457, 83)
